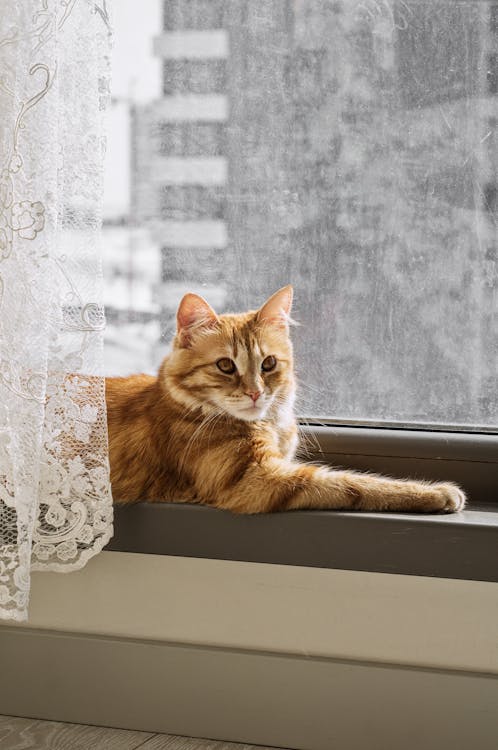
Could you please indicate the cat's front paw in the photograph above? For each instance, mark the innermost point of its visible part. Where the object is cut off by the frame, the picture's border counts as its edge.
(447, 498)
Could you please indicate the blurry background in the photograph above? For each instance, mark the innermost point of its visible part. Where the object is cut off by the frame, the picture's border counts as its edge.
(347, 147)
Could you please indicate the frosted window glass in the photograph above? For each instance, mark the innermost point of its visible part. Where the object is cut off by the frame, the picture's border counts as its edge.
(349, 148)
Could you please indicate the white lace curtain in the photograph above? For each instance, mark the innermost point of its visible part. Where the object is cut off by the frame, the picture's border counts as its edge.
(55, 501)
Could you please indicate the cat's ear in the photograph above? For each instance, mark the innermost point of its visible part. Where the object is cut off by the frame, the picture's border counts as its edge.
(193, 314)
(276, 310)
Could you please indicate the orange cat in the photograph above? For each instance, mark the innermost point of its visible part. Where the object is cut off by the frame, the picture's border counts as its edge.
(216, 426)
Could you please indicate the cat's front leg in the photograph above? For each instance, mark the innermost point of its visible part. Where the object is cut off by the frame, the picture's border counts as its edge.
(354, 491)
(278, 485)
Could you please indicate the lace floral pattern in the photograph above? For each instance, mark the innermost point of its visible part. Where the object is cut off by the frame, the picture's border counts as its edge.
(55, 501)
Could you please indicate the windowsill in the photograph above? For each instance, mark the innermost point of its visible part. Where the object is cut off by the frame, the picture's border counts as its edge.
(461, 546)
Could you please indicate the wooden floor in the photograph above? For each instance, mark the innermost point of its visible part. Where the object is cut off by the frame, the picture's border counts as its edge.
(32, 734)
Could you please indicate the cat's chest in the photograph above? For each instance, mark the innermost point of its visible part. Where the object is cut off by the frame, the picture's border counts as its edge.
(286, 429)
(288, 440)
(281, 438)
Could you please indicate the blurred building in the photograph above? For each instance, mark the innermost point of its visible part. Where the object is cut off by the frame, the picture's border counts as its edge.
(180, 157)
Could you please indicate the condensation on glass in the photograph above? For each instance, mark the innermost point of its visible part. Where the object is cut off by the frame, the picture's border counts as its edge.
(349, 148)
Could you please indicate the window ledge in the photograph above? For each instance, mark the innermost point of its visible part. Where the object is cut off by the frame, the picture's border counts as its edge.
(461, 546)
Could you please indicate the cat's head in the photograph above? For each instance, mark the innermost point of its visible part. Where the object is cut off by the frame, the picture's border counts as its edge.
(241, 365)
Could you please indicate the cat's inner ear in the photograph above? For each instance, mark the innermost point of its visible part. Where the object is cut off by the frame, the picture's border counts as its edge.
(193, 314)
(276, 310)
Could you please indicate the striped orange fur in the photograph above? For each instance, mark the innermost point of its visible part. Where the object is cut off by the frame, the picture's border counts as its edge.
(217, 426)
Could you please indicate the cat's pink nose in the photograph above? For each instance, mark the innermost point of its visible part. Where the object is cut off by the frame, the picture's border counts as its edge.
(254, 395)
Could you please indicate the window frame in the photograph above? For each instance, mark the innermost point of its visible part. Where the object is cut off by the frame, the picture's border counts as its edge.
(467, 455)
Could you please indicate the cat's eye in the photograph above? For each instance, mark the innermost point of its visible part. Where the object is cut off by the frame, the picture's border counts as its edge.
(226, 365)
(269, 363)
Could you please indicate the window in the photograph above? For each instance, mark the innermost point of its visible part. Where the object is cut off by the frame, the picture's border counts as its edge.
(346, 146)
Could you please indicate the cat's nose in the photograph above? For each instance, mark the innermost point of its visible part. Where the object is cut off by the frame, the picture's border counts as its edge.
(254, 395)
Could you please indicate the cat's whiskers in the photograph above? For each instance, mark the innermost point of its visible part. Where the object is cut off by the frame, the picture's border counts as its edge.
(308, 443)
(188, 410)
(210, 417)
(197, 408)
(213, 425)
